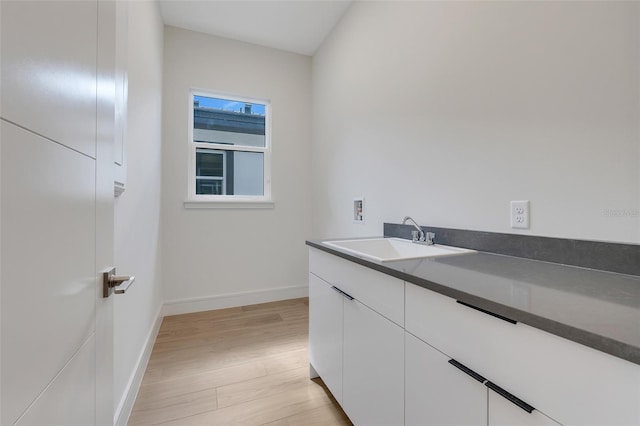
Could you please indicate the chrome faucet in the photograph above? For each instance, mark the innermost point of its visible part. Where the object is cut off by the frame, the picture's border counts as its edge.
(418, 236)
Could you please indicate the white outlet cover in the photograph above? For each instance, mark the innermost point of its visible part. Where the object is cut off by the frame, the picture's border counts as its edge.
(520, 214)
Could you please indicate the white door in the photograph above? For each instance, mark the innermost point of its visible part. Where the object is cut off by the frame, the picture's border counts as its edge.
(56, 212)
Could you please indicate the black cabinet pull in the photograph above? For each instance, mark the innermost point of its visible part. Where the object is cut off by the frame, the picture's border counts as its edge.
(488, 312)
(512, 398)
(467, 370)
(348, 296)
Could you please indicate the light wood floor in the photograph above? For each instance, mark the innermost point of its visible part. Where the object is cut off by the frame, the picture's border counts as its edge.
(240, 366)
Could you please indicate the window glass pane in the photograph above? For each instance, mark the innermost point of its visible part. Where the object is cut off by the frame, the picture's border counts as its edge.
(209, 187)
(225, 121)
(248, 173)
(221, 172)
(211, 172)
(209, 163)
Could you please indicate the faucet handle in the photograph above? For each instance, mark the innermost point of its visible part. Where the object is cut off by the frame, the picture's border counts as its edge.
(415, 235)
(429, 236)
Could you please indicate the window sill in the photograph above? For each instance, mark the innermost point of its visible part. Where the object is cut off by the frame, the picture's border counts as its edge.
(228, 204)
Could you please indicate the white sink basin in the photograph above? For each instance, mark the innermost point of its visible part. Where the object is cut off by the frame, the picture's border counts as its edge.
(392, 249)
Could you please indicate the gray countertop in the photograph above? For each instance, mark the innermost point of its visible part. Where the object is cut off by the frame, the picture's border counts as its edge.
(595, 308)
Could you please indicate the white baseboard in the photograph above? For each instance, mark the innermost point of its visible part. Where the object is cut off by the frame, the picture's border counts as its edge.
(125, 406)
(230, 300)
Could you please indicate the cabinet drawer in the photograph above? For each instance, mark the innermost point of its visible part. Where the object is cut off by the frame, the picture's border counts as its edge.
(382, 293)
(566, 381)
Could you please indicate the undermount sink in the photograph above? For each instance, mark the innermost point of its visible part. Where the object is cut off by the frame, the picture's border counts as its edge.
(392, 249)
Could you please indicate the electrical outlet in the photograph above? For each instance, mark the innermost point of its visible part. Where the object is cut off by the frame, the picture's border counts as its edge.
(520, 214)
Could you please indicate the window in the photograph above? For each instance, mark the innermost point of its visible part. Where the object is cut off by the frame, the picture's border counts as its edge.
(230, 149)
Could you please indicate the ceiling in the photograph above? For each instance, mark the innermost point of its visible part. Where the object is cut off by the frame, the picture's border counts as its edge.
(298, 26)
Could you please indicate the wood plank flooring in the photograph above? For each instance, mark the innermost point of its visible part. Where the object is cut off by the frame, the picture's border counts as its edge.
(238, 366)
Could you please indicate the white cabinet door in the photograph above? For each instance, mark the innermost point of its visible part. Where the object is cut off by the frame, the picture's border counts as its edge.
(438, 393)
(504, 413)
(325, 334)
(373, 378)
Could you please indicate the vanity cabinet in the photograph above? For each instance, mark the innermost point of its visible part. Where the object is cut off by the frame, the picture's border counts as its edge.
(395, 353)
(564, 381)
(357, 351)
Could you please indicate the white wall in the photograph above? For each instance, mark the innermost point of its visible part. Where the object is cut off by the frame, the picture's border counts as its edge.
(137, 210)
(208, 253)
(446, 111)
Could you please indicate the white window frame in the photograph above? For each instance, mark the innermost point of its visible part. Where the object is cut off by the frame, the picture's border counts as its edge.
(229, 201)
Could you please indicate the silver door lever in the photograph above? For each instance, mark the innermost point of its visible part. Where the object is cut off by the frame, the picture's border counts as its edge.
(118, 284)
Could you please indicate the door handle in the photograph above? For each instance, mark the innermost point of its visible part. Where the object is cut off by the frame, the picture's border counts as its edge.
(118, 284)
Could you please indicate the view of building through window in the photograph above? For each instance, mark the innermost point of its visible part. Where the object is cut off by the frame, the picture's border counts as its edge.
(230, 145)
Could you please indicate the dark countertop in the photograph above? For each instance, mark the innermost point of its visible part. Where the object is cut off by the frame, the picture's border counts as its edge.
(595, 308)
